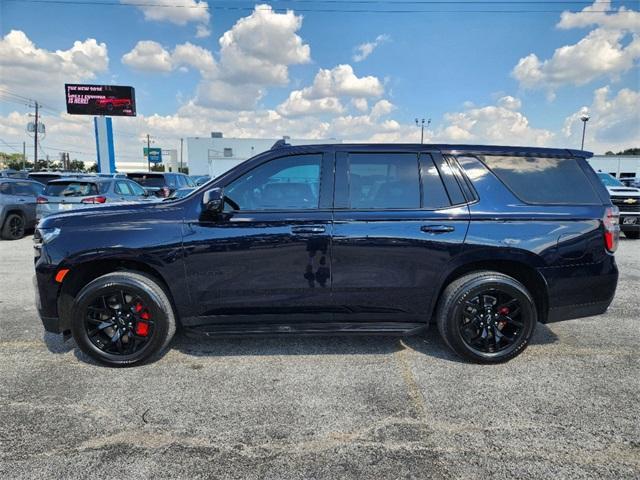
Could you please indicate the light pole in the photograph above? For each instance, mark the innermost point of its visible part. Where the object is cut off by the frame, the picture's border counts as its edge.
(585, 118)
(421, 125)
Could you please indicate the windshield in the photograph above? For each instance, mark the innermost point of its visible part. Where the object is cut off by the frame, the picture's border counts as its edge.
(609, 181)
(71, 189)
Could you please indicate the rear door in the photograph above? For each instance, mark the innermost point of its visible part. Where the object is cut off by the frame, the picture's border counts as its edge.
(25, 194)
(396, 226)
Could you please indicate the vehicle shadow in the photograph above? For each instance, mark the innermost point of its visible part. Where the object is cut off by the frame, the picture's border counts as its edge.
(428, 343)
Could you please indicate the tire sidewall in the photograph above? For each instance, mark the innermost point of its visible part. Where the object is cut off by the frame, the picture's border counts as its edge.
(472, 289)
(102, 286)
(7, 234)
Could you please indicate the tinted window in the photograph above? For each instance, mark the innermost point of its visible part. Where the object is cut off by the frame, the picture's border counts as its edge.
(5, 188)
(148, 180)
(136, 189)
(24, 189)
(384, 180)
(122, 188)
(189, 181)
(71, 189)
(610, 181)
(44, 178)
(543, 180)
(433, 193)
(288, 183)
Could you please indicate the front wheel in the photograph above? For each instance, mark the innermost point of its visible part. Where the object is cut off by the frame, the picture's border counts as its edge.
(486, 317)
(122, 319)
(14, 227)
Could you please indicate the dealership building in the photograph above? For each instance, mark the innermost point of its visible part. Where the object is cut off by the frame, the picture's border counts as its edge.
(216, 154)
(620, 166)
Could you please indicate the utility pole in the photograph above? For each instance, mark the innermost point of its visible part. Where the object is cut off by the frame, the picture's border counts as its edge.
(35, 142)
(585, 118)
(181, 168)
(148, 152)
(24, 155)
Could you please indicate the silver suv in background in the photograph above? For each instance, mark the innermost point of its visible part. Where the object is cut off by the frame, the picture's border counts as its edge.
(627, 199)
(75, 193)
(17, 206)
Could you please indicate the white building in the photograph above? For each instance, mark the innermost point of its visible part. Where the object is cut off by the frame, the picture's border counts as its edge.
(620, 166)
(215, 155)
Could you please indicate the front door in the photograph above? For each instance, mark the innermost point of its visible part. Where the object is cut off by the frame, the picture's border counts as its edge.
(269, 252)
(396, 227)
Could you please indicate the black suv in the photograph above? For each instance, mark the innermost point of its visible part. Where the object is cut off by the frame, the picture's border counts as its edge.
(484, 241)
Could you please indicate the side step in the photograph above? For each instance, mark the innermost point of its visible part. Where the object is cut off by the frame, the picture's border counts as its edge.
(363, 328)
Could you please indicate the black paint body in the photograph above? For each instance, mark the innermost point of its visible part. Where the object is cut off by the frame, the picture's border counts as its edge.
(335, 268)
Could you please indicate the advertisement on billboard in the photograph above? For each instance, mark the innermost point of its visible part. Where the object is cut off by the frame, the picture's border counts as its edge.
(111, 100)
(153, 154)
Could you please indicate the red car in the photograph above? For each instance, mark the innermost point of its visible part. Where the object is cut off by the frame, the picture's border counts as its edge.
(111, 103)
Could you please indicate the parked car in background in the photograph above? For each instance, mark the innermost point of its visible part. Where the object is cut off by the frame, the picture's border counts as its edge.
(10, 173)
(17, 206)
(200, 179)
(74, 193)
(627, 199)
(46, 176)
(111, 175)
(484, 241)
(112, 103)
(161, 184)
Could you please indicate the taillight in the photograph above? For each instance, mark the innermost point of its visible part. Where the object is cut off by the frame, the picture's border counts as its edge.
(99, 199)
(611, 222)
(41, 200)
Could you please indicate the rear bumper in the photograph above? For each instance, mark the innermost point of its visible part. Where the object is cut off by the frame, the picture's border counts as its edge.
(580, 290)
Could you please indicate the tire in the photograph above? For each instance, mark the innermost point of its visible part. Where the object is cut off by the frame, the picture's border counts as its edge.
(634, 235)
(98, 299)
(468, 322)
(14, 227)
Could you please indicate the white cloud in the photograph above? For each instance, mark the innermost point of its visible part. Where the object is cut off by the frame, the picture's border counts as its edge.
(341, 81)
(360, 104)
(260, 47)
(365, 49)
(297, 105)
(614, 122)
(148, 56)
(493, 124)
(203, 31)
(188, 54)
(179, 12)
(382, 108)
(28, 66)
(609, 50)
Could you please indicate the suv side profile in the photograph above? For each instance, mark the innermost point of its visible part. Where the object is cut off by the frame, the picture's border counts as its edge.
(161, 184)
(17, 206)
(483, 241)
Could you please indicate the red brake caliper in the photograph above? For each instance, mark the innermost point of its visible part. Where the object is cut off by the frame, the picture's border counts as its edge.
(504, 311)
(142, 327)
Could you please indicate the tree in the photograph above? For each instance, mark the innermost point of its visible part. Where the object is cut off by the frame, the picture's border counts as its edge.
(76, 165)
(630, 151)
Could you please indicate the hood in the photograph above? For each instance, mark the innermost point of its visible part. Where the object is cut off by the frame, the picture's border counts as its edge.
(624, 191)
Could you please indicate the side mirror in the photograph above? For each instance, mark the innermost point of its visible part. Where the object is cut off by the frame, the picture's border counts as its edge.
(213, 200)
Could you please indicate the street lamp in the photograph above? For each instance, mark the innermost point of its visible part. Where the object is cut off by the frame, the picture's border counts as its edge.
(585, 118)
(421, 125)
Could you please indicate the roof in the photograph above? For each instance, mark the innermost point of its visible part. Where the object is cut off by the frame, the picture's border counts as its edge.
(86, 178)
(445, 148)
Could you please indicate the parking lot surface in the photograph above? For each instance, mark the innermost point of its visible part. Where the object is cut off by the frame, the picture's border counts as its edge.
(322, 407)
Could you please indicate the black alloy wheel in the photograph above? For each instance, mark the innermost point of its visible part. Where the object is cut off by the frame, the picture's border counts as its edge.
(122, 319)
(14, 227)
(486, 317)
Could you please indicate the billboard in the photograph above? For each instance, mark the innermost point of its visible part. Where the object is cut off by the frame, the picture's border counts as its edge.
(112, 100)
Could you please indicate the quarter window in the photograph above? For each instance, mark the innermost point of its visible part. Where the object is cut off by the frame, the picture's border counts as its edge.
(122, 188)
(434, 195)
(287, 183)
(384, 181)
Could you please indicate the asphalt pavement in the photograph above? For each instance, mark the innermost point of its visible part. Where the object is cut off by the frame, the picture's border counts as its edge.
(322, 407)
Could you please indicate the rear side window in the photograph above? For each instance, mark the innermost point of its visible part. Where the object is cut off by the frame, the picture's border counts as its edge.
(122, 188)
(434, 195)
(71, 189)
(25, 189)
(384, 181)
(543, 180)
(5, 188)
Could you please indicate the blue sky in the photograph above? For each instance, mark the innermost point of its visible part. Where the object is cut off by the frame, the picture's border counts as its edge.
(457, 68)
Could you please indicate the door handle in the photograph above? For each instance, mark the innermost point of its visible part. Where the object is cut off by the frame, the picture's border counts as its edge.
(308, 229)
(437, 229)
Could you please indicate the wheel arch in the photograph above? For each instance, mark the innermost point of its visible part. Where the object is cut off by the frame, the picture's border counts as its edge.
(81, 274)
(522, 271)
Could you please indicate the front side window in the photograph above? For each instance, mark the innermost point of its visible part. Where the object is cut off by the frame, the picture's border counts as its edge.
(23, 189)
(384, 181)
(287, 183)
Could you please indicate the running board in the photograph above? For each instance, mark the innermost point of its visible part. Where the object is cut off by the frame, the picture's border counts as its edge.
(364, 328)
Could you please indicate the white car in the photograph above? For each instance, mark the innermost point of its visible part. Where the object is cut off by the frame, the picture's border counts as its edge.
(627, 199)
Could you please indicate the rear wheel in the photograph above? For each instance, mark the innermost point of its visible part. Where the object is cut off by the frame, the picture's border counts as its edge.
(14, 226)
(486, 317)
(122, 319)
(634, 235)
